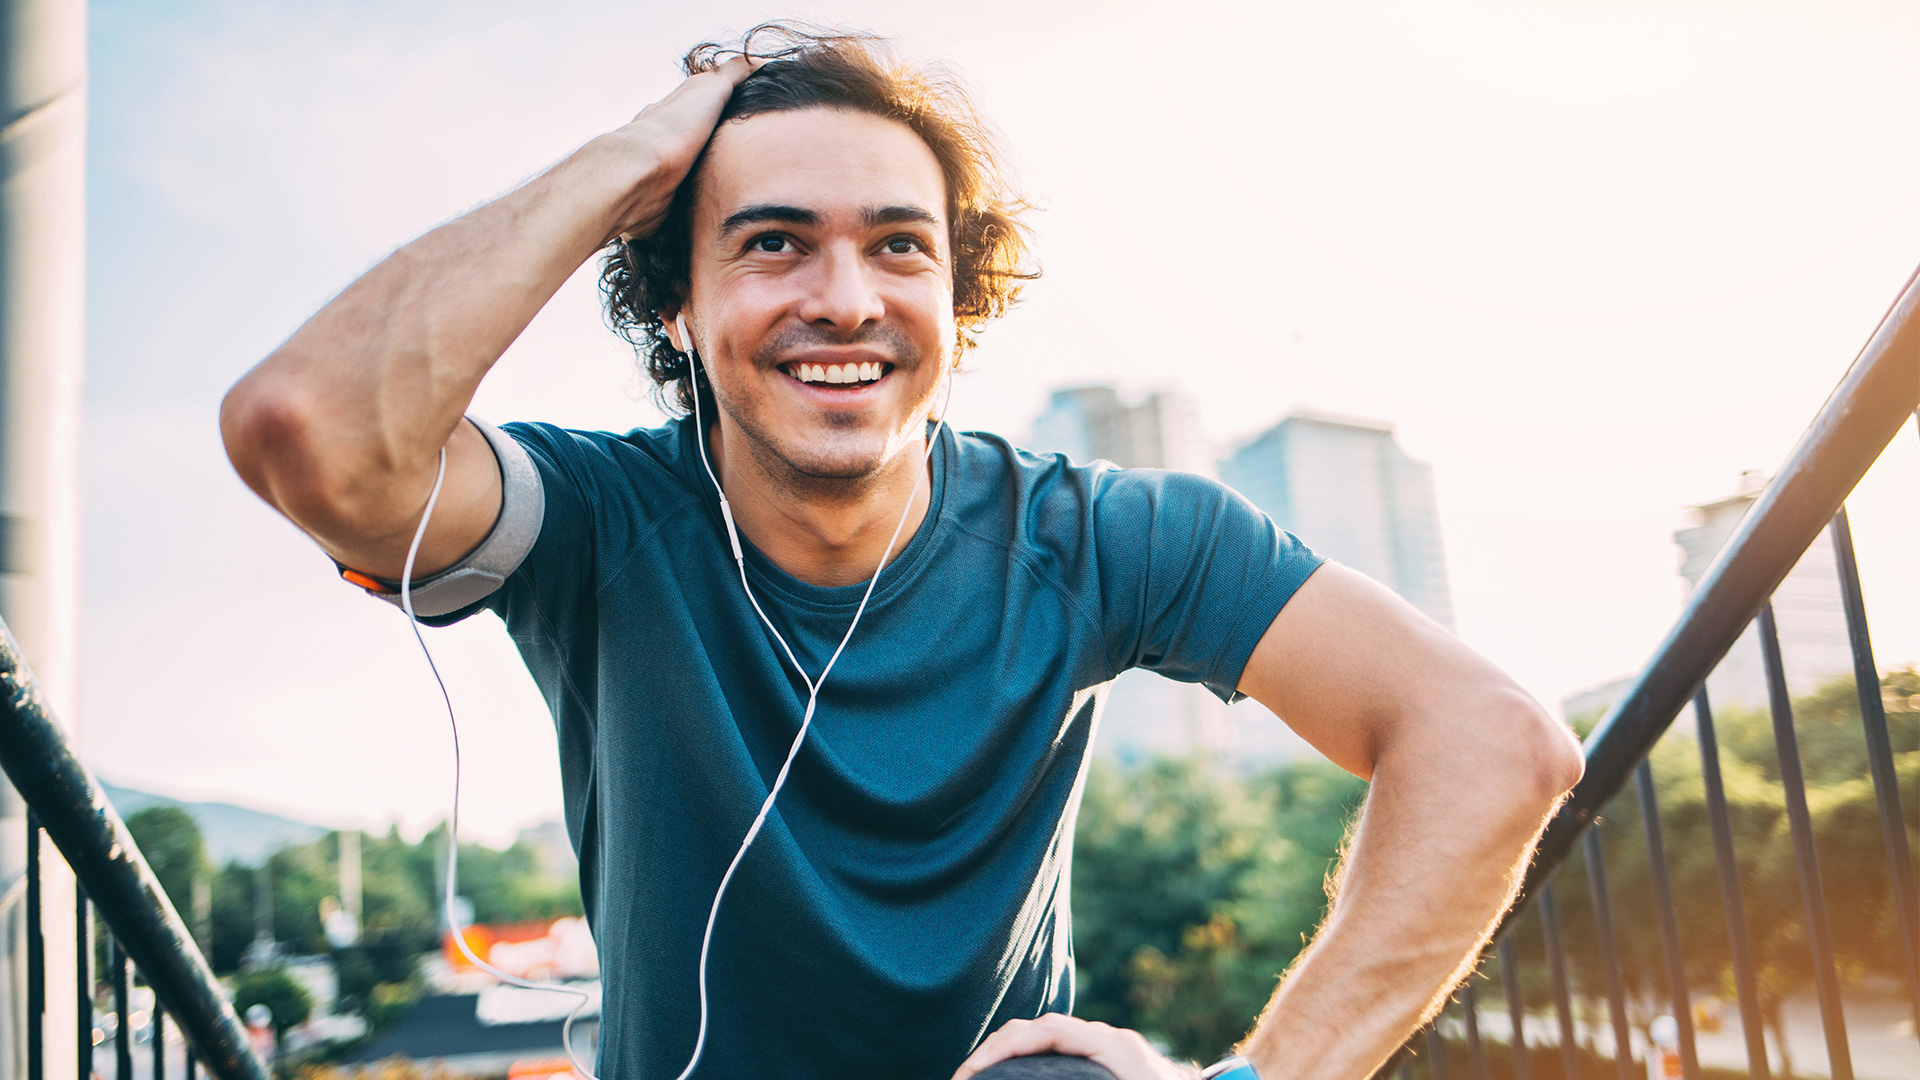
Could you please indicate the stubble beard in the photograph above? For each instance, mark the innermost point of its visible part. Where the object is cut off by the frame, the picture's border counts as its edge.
(830, 476)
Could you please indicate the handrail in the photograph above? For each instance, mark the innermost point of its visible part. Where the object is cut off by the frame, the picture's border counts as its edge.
(88, 831)
(1875, 399)
(1866, 411)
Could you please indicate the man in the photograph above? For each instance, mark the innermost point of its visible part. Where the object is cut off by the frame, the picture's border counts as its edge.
(800, 246)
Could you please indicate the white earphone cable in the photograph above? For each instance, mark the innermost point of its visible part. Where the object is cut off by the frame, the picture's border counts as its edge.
(453, 824)
(773, 792)
(813, 684)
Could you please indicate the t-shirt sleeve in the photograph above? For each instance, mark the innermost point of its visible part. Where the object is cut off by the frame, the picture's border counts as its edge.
(1191, 575)
(555, 580)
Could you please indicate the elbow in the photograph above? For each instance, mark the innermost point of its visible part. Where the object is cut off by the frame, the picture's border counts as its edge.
(1548, 758)
(253, 421)
(264, 430)
(274, 439)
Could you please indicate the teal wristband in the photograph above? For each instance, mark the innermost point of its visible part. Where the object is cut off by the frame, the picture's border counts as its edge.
(1233, 1068)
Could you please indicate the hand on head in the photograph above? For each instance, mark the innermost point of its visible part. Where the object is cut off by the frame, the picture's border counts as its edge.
(675, 129)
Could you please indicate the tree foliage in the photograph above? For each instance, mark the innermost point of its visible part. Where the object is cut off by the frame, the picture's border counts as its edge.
(280, 992)
(1193, 890)
(400, 891)
(174, 850)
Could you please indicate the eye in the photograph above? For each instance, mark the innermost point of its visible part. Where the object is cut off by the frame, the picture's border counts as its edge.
(904, 245)
(774, 242)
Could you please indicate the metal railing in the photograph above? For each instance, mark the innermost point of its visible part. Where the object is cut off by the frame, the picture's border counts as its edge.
(1875, 400)
(66, 804)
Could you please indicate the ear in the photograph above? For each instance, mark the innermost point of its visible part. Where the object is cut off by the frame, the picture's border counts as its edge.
(672, 321)
(676, 323)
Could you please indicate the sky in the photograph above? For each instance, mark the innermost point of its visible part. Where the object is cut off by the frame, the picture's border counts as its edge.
(1593, 260)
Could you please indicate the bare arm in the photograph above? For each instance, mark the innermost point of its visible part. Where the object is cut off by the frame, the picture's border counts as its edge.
(341, 427)
(1465, 768)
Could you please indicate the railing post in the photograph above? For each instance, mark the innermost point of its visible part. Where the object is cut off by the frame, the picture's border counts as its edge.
(1562, 994)
(83, 980)
(1609, 954)
(122, 1024)
(1739, 944)
(1470, 1007)
(36, 959)
(1786, 742)
(1677, 997)
(1886, 785)
(1516, 1010)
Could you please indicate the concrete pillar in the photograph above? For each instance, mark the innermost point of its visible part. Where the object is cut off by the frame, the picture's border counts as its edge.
(43, 69)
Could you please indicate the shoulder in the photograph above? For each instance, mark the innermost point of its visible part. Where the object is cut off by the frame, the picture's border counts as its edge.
(1047, 503)
(599, 449)
(616, 486)
(599, 459)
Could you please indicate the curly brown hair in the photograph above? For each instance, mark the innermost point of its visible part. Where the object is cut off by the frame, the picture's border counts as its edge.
(814, 69)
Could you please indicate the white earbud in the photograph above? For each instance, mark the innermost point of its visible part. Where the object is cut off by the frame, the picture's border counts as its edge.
(686, 339)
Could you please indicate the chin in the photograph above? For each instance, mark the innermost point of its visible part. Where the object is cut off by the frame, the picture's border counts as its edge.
(835, 466)
(849, 460)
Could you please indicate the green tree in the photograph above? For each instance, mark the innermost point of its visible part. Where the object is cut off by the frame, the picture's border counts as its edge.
(174, 849)
(280, 992)
(400, 902)
(1194, 889)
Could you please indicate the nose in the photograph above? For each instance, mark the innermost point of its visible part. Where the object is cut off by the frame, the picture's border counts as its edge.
(843, 293)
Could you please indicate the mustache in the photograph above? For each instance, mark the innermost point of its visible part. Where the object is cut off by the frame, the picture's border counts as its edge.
(898, 348)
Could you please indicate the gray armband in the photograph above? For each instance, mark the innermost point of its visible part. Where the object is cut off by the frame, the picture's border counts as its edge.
(523, 505)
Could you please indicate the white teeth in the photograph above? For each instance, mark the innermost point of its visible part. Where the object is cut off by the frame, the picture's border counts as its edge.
(863, 372)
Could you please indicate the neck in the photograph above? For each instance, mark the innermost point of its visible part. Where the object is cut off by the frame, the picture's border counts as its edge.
(824, 531)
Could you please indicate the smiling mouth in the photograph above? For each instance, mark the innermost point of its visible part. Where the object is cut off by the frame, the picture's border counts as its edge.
(865, 373)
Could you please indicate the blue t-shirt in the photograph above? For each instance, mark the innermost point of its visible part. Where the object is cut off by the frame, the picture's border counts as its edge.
(908, 894)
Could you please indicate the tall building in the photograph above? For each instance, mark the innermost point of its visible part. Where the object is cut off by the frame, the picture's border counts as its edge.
(1806, 609)
(1346, 488)
(1806, 606)
(1091, 423)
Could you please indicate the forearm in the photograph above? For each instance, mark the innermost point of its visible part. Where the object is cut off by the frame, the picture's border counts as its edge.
(1437, 854)
(359, 401)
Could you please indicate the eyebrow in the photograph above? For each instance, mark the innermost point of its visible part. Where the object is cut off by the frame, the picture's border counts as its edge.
(898, 215)
(769, 213)
(764, 214)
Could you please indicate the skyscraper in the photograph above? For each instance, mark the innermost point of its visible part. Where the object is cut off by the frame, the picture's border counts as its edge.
(1346, 488)
(1806, 609)
(1806, 606)
(1090, 423)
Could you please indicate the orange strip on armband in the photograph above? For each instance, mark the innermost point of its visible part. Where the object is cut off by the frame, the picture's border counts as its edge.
(365, 582)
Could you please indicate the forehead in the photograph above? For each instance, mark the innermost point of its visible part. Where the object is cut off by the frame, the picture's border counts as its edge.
(831, 161)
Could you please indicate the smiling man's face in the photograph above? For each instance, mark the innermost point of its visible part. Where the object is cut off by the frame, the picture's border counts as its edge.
(821, 291)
